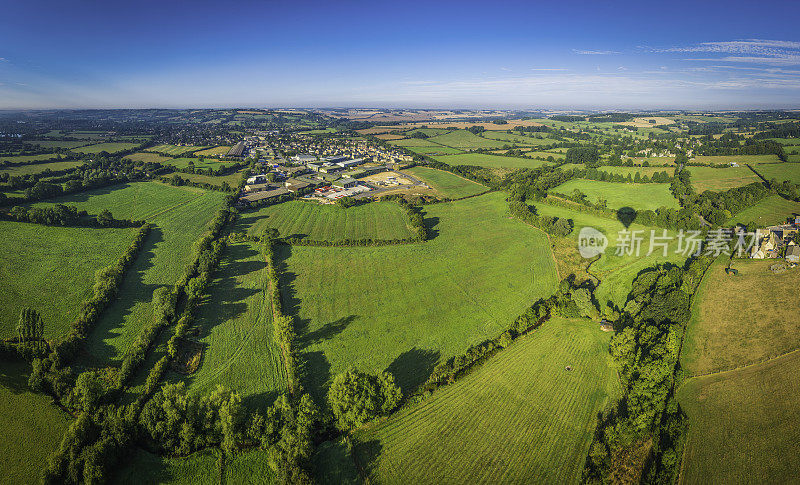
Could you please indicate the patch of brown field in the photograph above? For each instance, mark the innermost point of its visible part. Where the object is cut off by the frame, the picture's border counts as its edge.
(627, 465)
(188, 358)
(569, 261)
(644, 122)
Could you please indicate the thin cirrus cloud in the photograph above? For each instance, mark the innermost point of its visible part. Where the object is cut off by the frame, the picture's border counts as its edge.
(751, 51)
(593, 52)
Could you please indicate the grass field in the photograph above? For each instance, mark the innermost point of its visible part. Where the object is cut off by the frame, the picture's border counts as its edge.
(771, 210)
(145, 468)
(649, 171)
(740, 159)
(376, 220)
(407, 307)
(51, 269)
(213, 152)
(511, 138)
(434, 150)
(40, 167)
(466, 140)
(180, 215)
(740, 320)
(780, 171)
(519, 418)
(718, 179)
(147, 157)
(204, 163)
(232, 178)
(32, 427)
(50, 144)
(27, 158)
(490, 161)
(617, 195)
(449, 185)
(174, 149)
(111, 147)
(744, 425)
(235, 323)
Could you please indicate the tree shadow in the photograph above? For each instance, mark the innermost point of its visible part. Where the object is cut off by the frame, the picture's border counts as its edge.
(413, 367)
(14, 377)
(260, 402)
(86, 195)
(430, 226)
(315, 373)
(365, 455)
(327, 331)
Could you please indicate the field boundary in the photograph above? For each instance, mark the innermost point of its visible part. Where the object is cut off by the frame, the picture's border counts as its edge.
(741, 367)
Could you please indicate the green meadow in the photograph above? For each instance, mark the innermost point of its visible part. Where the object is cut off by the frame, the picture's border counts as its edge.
(773, 209)
(719, 179)
(174, 149)
(780, 171)
(618, 195)
(448, 184)
(464, 139)
(110, 147)
(40, 167)
(490, 161)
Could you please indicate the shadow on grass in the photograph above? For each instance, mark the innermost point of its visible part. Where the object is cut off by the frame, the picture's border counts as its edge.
(413, 367)
(327, 331)
(14, 377)
(430, 226)
(365, 455)
(315, 373)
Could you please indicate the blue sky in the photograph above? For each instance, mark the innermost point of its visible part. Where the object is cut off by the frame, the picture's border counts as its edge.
(525, 55)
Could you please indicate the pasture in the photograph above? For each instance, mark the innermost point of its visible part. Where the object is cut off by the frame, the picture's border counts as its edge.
(773, 209)
(51, 269)
(464, 139)
(174, 149)
(521, 417)
(447, 184)
(213, 152)
(538, 139)
(404, 308)
(50, 144)
(147, 157)
(32, 426)
(740, 159)
(744, 425)
(625, 171)
(200, 468)
(434, 150)
(617, 195)
(40, 167)
(232, 178)
(28, 158)
(719, 179)
(110, 147)
(204, 163)
(780, 171)
(743, 319)
(235, 323)
(490, 161)
(375, 220)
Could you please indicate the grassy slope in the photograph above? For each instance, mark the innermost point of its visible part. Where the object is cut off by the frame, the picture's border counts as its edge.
(449, 185)
(406, 307)
(52, 270)
(739, 320)
(380, 220)
(32, 426)
(638, 196)
(744, 425)
(236, 327)
(772, 210)
(718, 179)
(167, 251)
(490, 161)
(519, 418)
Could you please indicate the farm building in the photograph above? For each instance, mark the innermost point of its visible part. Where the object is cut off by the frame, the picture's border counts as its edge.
(345, 183)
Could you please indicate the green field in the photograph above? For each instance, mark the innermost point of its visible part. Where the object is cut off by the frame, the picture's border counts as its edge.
(407, 307)
(771, 210)
(147, 157)
(51, 269)
(511, 138)
(145, 468)
(204, 163)
(232, 178)
(466, 140)
(719, 179)
(743, 319)
(780, 171)
(434, 150)
(519, 418)
(174, 149)
(449, 185)
(744, 426)
(213, 152)
(740, 159)
(649, 171)
(556, 155)
(490, 161)
(32, 427)
(180, 215)
(50, 144)
(235, 324)
(375, 220)
(40, 167)
(618, 195)
(111, 147)
(27, 158)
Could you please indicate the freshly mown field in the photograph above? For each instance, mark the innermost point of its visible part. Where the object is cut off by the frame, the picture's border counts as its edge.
(743, 319)
(466, 140)
(780, 171)
(615, 271)
(718, 179)
(618, 195)
(51, 269)
(519, 418)
(111, 147)
(740, 159)
(147, 157)
(490, 161)
(174, 149)
(180, 215)
(40, 167)
(405, 308)
(213, 152)
(235, 323)
(27, 158)
(32, 426)
(375, 220)
(449, 185)
(771, 210)
(744, 426)
(203, 163)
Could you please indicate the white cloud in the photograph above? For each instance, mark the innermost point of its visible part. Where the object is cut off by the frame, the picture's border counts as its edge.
(548, 69)
(593, 52)
(752, 51)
